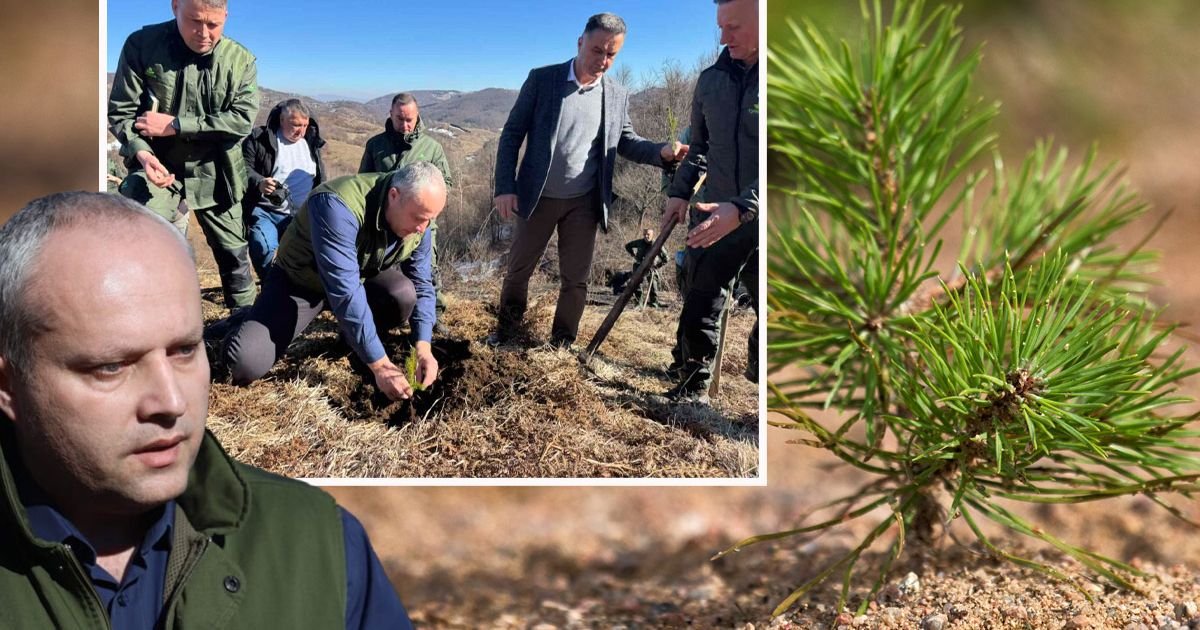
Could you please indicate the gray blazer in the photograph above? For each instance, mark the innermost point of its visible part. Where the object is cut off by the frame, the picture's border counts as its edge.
(534, 120)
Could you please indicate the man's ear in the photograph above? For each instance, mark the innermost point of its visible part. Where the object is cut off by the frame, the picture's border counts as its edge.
(8, 399)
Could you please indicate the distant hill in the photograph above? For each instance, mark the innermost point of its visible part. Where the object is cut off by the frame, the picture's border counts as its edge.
(482, 109)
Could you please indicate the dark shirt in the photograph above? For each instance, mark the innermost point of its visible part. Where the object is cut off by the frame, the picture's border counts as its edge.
(137, 600)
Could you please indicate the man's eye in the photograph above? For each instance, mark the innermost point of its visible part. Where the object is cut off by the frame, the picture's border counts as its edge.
(186, 351)
(108, 370)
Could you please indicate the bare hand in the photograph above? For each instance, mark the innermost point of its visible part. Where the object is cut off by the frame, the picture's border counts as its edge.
(673, 151)
(675, 207)
(723, 220)
(155, 171)
(506, 205)
(390, 380)
(267, 186)
(427, 365)
(155, 125)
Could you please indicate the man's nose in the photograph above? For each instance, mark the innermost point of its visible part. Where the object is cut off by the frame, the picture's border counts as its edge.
(162, 394)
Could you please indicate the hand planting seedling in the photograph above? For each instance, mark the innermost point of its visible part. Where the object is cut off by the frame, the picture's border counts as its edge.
(1034, 370)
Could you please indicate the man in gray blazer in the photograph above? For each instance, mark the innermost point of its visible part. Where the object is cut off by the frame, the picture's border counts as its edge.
(574, 121)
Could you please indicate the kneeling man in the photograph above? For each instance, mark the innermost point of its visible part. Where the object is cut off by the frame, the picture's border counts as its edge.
(358, 246)
(117, 508)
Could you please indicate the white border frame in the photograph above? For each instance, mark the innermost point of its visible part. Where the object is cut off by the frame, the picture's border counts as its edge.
(761, 480)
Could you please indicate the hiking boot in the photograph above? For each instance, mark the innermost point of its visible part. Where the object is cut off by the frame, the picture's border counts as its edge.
(564, 343)
(498, 338)
(687, 395)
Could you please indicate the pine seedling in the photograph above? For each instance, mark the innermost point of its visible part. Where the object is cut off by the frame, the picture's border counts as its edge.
(1033, 370)
(410, 370)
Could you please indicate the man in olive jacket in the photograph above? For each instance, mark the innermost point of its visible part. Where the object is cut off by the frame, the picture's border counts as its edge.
(182, 99)
(117, 508)
(724, 128)
(405, 140)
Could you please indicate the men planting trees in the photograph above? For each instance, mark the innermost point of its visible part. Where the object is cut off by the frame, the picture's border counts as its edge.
(183, 97)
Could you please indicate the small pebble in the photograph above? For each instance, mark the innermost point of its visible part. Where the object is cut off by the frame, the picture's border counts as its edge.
(1186, 610)
(910, 585)
(936, 621)
(1079, 622)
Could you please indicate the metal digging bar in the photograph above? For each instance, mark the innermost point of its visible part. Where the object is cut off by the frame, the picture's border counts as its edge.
(618, 307)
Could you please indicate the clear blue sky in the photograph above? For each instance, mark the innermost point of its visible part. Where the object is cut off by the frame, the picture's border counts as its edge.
(363, 49)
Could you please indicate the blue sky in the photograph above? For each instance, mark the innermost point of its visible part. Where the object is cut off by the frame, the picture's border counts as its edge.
(363, 49)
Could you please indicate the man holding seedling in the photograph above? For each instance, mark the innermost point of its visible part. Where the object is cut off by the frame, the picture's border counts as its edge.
(117, 508)
(574, 122)
(404, 140)
(724, 128)
(183, 97)
(360, 246)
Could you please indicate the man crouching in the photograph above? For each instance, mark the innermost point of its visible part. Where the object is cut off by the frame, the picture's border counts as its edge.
(358, 246)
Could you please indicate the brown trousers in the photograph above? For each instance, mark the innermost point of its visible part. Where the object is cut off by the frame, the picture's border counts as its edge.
(577, 221)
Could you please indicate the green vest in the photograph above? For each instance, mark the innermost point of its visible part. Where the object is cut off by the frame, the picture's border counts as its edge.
(249, 550)
(365, 196)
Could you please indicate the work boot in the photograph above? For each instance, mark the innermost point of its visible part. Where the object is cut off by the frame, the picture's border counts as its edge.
(687, 394)
(499, 337)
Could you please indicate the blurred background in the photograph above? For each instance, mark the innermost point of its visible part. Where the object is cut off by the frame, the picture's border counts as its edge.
(1119, 72)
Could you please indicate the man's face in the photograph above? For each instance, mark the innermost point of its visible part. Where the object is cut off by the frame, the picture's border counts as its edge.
(648, 235)
(199, 25)
(110, 411)
(293, 126)
(404, 117)
(597, 51)
(738, 21)
(412, 215)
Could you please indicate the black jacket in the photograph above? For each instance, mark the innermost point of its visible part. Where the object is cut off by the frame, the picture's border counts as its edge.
(724, 128)
(261, 147)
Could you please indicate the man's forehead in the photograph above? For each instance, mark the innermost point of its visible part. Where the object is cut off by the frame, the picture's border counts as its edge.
(604, 39)
(197, 10)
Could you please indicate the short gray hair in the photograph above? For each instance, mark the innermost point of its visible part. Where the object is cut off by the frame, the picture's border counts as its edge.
(608, 22)
(214, 4)
(404, 98)
(22, 240)
(414, 177)
(294, 106)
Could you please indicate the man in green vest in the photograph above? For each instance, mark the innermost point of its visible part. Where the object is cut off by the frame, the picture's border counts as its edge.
(359, 245)
(117, 508)
(182, 100)
(405, 140)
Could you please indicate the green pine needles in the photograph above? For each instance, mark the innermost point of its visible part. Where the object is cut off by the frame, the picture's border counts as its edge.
(1033, 370)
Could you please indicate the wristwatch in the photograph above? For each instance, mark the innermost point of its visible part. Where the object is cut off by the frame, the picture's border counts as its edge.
(745, 215)
(175, 124)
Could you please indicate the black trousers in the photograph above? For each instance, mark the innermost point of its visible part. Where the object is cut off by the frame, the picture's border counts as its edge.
(711, 274)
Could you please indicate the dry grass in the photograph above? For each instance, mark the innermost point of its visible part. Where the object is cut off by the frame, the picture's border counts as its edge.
(495, 412)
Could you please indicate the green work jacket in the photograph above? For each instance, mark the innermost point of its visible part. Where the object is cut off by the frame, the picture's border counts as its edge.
(391, 150)
(214, 96)
(365, 196)
(249, 550)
